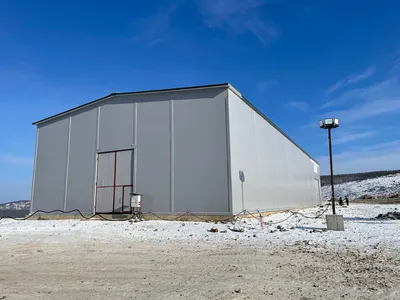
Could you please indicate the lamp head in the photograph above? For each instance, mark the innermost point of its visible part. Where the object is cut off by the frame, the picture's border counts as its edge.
(329, 123)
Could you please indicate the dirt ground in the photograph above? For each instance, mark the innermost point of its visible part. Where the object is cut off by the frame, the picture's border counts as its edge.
(146, 270)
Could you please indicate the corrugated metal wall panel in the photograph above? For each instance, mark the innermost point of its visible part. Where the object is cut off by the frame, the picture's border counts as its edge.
(116, 128)
(51, 162)
(278, 174)
(200, 158)
(242, 145)
(153, 154)
(81, 161)
(180, 151)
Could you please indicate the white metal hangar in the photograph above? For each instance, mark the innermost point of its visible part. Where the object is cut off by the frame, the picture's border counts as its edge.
(204, 149)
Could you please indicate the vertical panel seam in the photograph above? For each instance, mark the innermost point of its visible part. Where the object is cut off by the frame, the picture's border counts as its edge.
(228, 153)
(133, 124)
(256, 157)
(67, 164)
(115, 178)
(34, 167)
(135, 141)
(98, 129)
(172, 156)
(95, 160)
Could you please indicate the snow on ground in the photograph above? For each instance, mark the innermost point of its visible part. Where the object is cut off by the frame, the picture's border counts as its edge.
(362, 230)
(73, 259)
(381, 186)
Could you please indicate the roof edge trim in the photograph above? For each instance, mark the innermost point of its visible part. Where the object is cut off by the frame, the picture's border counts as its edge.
(200, 87)
(220, 85)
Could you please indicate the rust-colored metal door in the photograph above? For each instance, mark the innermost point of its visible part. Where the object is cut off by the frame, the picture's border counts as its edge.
(114, 181)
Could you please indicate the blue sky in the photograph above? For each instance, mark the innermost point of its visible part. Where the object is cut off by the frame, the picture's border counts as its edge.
(297, 61)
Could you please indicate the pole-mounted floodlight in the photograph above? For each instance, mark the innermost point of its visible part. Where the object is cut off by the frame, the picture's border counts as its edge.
(329, 124)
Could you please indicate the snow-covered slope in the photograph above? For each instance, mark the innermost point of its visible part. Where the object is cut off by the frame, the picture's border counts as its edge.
(17, 205)
(380, 186)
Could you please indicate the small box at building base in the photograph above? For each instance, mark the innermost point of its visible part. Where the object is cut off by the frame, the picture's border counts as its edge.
(335, 222)
(136, 202)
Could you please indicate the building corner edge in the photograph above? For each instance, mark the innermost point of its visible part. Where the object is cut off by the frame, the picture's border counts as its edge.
(34, 169)
(228, 151)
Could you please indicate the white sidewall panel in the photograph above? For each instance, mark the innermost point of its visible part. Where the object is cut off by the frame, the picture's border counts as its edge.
(116, 128)
(51, 164)
(81, 153)
(278, 175)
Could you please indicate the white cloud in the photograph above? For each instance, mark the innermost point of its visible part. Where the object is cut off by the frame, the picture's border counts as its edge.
(361, 108)
(396, 66)
(300, 105)
(351, 137)
(350, 79)
(387, 88)
(343, 98)
(265, 85)
(219, 11)
(366, 110)
(380, 98)
(384, 156)
(12, 159)
(361, 76)
(156, 28)
(239, 16)
(265, 32)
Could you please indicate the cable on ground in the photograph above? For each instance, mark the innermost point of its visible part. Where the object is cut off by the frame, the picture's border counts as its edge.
(67, 212)
(141, 215)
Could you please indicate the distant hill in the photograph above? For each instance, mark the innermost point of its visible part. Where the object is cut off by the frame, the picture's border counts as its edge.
(343, 178)
(16, 209)
(16, 205)
(379, 186)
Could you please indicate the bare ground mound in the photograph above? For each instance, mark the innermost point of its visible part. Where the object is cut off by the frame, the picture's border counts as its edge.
(99, 270)
(72, 259)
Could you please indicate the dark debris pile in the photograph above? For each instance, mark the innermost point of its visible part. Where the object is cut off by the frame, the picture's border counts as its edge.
(395, 215)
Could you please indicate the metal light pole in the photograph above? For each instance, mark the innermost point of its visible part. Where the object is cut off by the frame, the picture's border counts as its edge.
(329, 124)
(331, 164)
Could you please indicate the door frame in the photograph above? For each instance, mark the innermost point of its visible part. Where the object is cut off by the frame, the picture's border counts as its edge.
(114, 186)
